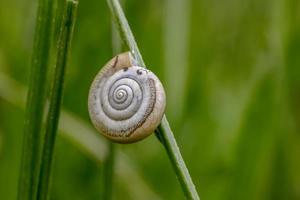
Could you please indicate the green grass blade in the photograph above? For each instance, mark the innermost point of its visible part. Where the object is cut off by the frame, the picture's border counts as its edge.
(108, 174)
(36, 101)
(168, 140)
(109, 162)
(164, 132)
(124, 29)
(64, 43)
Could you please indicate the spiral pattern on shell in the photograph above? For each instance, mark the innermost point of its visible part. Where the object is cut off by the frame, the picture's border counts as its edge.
(126, 102)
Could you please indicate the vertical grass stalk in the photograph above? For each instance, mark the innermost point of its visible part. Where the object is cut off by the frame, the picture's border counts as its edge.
(164, 132)
(63, 51)
(36, 99)
(109, 162)
(108, 174)
(167, 138)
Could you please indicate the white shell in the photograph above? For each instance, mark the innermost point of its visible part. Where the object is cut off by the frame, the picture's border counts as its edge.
(126, 102)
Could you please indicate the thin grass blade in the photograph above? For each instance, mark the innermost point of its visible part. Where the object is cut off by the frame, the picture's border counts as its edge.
(36, 99)
(109, 162)
(64, 43)
(164, 132)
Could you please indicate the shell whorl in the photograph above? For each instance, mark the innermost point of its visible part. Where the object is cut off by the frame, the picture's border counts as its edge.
(126, 102)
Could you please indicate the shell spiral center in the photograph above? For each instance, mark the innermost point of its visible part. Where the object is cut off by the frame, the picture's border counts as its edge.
(121, 97)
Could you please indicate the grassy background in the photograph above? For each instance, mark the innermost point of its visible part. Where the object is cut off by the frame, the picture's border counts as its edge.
(232, 75)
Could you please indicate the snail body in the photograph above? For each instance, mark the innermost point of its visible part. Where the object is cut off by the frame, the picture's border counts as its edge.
(126, 102)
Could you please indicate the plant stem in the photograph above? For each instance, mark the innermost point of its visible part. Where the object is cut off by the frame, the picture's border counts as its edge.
(63, 51)
(109, 161)
(125, 31)
(168, 140)
(164, 132)
(108, 172)
(36, 99)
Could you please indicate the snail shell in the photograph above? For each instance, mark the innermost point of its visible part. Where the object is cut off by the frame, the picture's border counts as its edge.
(126, 102)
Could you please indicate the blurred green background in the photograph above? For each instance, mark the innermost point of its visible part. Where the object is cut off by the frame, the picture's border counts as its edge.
(231, 70)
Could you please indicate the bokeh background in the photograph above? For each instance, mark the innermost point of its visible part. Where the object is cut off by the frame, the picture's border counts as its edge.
(231, 70)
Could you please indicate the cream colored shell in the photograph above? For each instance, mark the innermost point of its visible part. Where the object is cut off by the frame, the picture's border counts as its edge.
(126, 102)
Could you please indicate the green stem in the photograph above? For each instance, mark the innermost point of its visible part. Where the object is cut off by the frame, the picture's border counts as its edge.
(108, 172)
(124, 29)
(167, 138)
(36, 99)
(164, 132)
(63, 51)
(109, 161)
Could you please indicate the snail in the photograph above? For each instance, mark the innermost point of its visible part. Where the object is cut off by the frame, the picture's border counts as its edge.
(126, 102)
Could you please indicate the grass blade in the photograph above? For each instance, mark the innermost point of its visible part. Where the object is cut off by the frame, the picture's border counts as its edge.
(36, 101)
(64, 43)
(164, 131)
(124, 29)
(168, 140)
(108, 166)
(109, 161)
